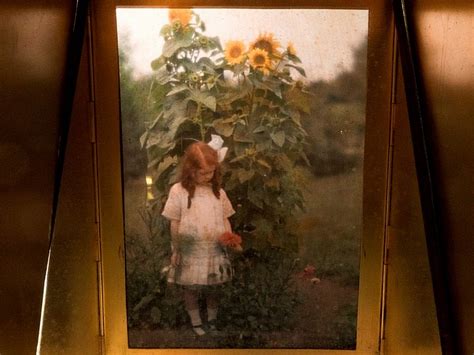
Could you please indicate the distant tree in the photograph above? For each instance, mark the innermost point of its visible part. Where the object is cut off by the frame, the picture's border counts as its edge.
(135, 109)
(336, 124)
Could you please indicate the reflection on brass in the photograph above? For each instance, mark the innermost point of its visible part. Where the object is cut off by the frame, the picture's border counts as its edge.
(410, 322)
(376, 147)
(71, 318)
(33, 43)
(444, 32)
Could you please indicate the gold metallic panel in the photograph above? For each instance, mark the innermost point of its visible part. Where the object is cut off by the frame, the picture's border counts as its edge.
(375, 169)
(33, 45)
(444, 32)
(71, 318)
(410, 321)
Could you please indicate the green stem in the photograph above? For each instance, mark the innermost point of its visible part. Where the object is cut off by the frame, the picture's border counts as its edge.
(252, 97)
(198, 119)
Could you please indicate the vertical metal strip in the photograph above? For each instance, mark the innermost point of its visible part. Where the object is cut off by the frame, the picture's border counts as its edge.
(430, 203)
(93, 139)
(388, 197)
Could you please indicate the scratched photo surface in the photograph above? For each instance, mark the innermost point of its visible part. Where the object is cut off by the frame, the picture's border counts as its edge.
(283, 93)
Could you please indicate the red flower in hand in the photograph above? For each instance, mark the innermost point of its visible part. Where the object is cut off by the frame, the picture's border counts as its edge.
(232, 240)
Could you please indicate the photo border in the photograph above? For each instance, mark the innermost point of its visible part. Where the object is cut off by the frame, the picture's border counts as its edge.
(375, 173)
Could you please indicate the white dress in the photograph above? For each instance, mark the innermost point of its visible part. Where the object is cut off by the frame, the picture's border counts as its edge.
(202, 260)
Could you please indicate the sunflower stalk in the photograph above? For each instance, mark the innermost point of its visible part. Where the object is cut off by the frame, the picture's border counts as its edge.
(198, 118)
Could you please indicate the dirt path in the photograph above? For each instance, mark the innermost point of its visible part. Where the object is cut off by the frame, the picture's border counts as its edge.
(323, 321)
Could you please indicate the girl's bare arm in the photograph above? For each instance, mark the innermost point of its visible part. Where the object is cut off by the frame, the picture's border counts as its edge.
(227, 226)
(174, 227)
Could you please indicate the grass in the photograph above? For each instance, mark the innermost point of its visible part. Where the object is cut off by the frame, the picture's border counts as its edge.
(331, 227)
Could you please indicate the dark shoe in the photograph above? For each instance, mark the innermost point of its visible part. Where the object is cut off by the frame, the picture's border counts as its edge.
(211, 326)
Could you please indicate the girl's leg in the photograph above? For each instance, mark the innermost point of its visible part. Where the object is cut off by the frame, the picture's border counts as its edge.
(212, 302)
(192, 307)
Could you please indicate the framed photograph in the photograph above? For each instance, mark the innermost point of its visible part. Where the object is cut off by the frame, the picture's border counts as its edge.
(242, 163)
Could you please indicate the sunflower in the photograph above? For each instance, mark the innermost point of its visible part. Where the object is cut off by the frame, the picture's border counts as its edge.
(194, 77)
(203, 41)
(266, 42)
(234, 52)
(290, 49)
(183, 16)
(259, 59)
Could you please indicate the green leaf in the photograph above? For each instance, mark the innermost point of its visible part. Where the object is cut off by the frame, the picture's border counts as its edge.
(206, 63)
(298, 99)
(157, 63)
(173, 44)
(273, 183)
(162, 76)
(264, 226)
(299, 69)
(165, 30)
(245, 175)
(203, 98)
(164, 165)
(189, 65)
(158, 139)
(283, 162)
(143, 302)
(239, 158)
(294, 58)
(177, 89)
(278, 138)
(224, 127)
(305, 158)
(273, 86)
(264, 145)
(241, 135)
(216, 42)
(264, 164)
(259, 129)
(156, 120)
(143, 139)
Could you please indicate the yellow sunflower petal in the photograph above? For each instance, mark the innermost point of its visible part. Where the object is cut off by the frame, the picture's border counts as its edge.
(291, 49)
(181, 15)
(259, 59)
(267, 42)
(234, 52)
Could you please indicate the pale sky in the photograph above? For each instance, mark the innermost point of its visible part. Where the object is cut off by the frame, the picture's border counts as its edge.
(323, 39)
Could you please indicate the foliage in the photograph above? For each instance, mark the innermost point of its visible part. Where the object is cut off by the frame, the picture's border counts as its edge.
(249, 98)
(337, 135)
(346, 325)
(134, 109)
(149, 299)
(262, 295)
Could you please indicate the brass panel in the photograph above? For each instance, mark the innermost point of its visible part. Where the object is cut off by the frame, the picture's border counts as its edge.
(375, 168)
(444, 32)
(410, 321)
(33, 41)
(71, 318)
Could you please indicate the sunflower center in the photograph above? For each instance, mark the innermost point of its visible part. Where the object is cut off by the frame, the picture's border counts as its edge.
(259, 59)
(265, 45)
(235, 52)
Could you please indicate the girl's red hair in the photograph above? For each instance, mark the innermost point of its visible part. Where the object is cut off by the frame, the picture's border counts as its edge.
(199, 156)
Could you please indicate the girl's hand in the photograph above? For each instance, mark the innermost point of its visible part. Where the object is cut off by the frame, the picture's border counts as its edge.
(175, 259)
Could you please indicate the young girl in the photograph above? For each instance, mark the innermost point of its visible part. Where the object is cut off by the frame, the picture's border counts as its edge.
(198, 210)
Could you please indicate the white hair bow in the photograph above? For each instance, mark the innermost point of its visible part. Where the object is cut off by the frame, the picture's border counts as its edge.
(216, 144)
